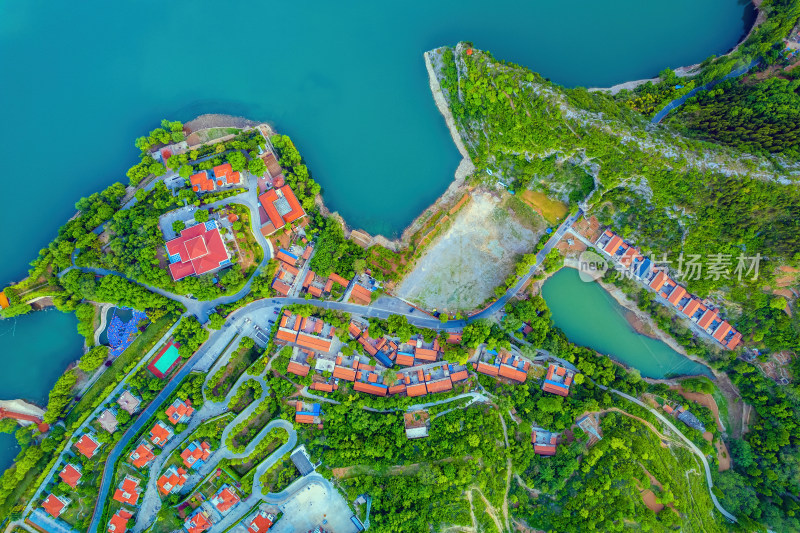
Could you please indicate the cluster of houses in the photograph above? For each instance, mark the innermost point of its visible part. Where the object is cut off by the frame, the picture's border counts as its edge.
(221, 176)
(212, 511)
(288, 274)
(88, 445)
(656, 278)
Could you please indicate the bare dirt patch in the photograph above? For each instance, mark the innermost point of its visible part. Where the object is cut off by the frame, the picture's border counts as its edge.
(471, 257)
(723, 456)
(552, 210)
(703, 399)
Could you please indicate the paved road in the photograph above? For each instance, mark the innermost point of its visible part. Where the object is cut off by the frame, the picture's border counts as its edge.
(151, 500)
(218, 339)
(78, 432)
(680, 101)
(688, 442)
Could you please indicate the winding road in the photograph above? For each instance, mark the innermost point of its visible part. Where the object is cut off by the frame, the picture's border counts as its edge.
(688, 442)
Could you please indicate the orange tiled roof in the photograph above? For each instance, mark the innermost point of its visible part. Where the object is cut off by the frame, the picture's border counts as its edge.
(298, 369)
(141, 456)
(708, 317)
(70, 475)
(459, 376)
(119, 522)
(178, 410)
(160, 434)
(439, 386)
(489, 370)
(87, 445)
(54, 505)
(369, 388)
(677, 294)
(225, 499)
(128, 491)
(348, 374)
(416, 390)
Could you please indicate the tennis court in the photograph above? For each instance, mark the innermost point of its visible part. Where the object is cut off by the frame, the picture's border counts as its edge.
(166, 359)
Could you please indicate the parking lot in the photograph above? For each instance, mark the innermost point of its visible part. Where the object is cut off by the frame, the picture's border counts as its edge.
(313, 506)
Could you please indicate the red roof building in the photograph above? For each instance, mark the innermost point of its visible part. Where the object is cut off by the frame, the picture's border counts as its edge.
(87, 445)
(461, 375)
(119, 522)
(691, 307)
(722, 331)
(677, 295)
(180, 411)
(196, 454)
(55, 505)
(360, 295)
(708, 317)
(417, 389)
(425, 354)
(439, 386)
(659, 281)
(544, 443)
(261, 522)
(342, 372)
(613, 245)
(225, 499)
(369, 388)
(128, 491)
(198, 249)
(201, 182)
(142, 455)
(281, 206)
(198, 522)
(298, 369)
(71, 475)
(735, 340)
(512, 373)
(489, 370)
(172, 480)
(281, 287)
(160, 434)
(325, 387)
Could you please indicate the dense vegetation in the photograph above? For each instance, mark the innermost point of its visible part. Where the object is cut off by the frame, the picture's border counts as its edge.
(762, 117)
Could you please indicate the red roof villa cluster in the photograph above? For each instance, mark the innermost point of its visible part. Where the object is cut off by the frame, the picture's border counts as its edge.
(659, 281)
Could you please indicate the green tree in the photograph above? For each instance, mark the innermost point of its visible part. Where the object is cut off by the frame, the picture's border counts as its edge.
(92, 359)
(201, 215)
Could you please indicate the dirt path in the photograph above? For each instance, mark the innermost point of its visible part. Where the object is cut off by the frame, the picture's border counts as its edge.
(490, 510)
(472, 511)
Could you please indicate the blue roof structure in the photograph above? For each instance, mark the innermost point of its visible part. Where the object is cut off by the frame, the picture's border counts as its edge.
(290, 254)
(556, 384)
(384, 359)
(210, 225)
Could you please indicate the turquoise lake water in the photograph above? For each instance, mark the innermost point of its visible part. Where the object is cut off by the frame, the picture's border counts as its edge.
(590, 317)
(35, 350)
(346, 80)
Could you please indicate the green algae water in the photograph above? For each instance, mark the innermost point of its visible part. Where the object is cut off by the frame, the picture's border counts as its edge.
(589, 316)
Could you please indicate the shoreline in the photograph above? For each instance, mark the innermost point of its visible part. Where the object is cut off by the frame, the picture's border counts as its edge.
(454, 191)
(645, 320)
(688, 70)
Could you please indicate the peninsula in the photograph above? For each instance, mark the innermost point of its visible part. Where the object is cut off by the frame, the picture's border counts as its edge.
(251, 363)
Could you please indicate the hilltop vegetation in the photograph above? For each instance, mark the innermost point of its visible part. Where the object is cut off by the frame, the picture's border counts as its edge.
(669, 195)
